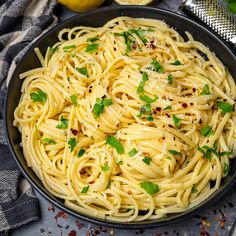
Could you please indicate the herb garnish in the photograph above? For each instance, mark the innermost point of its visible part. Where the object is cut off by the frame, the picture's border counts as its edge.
(147, 99)
(133, 152)
(82, 70)
(85, 189)
(157, 66)
(48, 141)
(91, 48)
(194, 190)
(147, 160)
(67, 48)
(64, 123)
(176, 63)
(105, 168)
(226, 169)
(92, 40)
(167, 108)
(72, 143)
(225, 107)
(206, 90)
(177, 121)
(74, 99)
(145, 110)
(173, 152)
(81, 152)
(149, 187)
(145, 78)
(38, 96)
(170, 79)
(206, 131)
(99, 106)
(112, 141)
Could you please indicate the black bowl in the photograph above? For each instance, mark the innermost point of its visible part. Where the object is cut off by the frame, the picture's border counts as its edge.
(98, 18)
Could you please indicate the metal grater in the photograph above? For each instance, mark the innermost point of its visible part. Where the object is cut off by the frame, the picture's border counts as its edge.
(215, 15)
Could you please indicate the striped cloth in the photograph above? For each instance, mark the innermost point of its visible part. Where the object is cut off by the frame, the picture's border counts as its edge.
(21, 22)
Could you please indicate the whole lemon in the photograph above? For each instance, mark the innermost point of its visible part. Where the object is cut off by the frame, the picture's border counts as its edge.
(81, 5)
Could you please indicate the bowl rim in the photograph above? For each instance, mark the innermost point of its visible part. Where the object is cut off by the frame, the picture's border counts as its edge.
(91, 219)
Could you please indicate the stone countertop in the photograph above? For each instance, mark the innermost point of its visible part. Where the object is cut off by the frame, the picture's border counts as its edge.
(215, 220)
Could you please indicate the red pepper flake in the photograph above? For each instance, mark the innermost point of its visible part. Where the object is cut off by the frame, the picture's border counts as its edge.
(191, 104)
(167, 115)
(129, 192)
(200, 121)
(203, 232)
(72, 233)
(158, 108)
(134, 46)
(114, 49)
(59, 214)
(184, 105)
(194, 90)
(221, 219)
(74, 131)
(79, 225)
(51, 208)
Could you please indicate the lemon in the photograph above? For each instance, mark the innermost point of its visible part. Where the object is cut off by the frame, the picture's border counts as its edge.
(81, 5)
(133, 2)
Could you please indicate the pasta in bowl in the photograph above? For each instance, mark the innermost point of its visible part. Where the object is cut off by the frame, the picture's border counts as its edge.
(129, 120)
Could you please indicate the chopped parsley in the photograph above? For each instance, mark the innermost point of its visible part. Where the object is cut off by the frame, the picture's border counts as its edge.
(91, 48)
(68, 48)
(145, 78)
(176, 63)
(149, 187)
(177, 121)
(206, 90)
(112, 141)
(63, 124)
(225, 107)
(53, 50)
(194, 190)
(140, 33)
(226, 169)
(173, 152)
(92, 40)
(99, 106)
(82, 70)
(167, 108)
(48, 141)
(157, 66)
(170, 79)
(133, 152)
(72, 143)
(85, 189)
(145, 110)
(149, 118)
(147, 99)
(73, 98)
(119, 162)
(225, 153)
(207, 151)
(105, 168)
(128, 40)
(81, 152)
(147, 160)
(206, 131)
(38, 96)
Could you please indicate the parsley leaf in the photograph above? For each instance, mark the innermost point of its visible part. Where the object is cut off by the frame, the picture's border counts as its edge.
(206, 90)
(92, 40)
(74, 99)
(225, 153)
(68, 48)
(91, 48)
(225, 107)
(226, 169)
(207, 151)
(177, 121)
(167, 108)
(85, 189)
(99, 106)
(128, 41)
(105, 168)
(140, 33)
(82, 70)
(48, 141)
(170, 79)
(149, 187)
(145, 109)
(53, 50)
(38, 96)
(119, 162)
(147, 160)
(176, 63)
(64, 123)
(173, 152)
(72, 142)
(145, 78)
(194, 190)
(133, 152)
(206, 131)
(157, 66)
(81, 152)
(112, 141)
(149, 118)
(147, 99)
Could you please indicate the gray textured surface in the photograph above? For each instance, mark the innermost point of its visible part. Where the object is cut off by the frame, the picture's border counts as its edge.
(208, 222)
